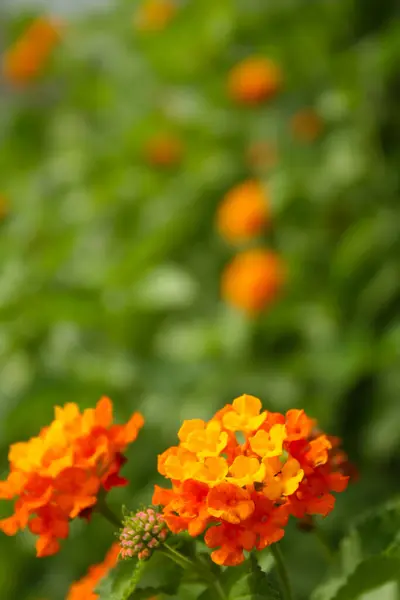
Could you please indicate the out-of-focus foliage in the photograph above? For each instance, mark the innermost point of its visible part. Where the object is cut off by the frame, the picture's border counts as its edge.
(110, 262)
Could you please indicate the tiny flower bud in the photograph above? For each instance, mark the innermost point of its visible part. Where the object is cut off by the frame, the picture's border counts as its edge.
(142, 533)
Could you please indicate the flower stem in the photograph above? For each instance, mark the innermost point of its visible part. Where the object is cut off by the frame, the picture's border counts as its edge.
(323, 542)
(177, 557)
(282, 571)
(205, 574)
(103, 509)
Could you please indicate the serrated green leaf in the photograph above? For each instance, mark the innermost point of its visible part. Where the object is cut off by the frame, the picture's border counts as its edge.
(373, 537)
(120, 583)
(370, 574)
(255, 585)
(159, 573)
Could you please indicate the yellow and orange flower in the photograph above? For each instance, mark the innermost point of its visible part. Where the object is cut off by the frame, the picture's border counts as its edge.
(155, 15)
(163, 150)
(244, 212)
(29, 54)
(252, 280)
(254, 80)
(58, 475)
(306, 125)
(84, 588)
(281, 466)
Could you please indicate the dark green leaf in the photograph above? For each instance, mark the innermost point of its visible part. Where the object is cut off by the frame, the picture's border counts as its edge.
(121, 581)
(255, 585)
(371, 547)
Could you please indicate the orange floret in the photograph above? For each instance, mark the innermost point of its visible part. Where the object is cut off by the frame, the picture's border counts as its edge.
(29, 54)
(306, 125)
(254, 80)
(244, 212)
(265, 468)
(84, 588)
(57, 476)
(155, 15)
(252, 280)
(163, 150)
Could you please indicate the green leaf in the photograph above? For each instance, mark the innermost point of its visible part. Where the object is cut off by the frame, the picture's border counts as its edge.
(132, 580)
(120, 583)
(369, 575)
(255, 585)
(368, 556)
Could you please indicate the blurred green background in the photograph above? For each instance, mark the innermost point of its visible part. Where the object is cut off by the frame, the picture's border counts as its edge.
(110, 266)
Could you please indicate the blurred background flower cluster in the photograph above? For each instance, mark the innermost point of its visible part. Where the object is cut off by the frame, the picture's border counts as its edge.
(199, 199)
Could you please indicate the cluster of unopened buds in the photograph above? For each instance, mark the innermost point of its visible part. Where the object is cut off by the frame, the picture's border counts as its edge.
(142, 533)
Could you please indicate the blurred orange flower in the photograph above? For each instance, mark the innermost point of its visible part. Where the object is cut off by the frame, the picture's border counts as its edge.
(262, 155)
(84, 588)
(254, 80)
(3, 207)
(58, 475)
(163, 150)
(154, 15)
(252, 280)
(283, 466)
(243, 212)
(306, 125)
(29, 54)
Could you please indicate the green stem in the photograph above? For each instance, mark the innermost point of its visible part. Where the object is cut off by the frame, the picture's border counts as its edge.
(204, 573)
(177, 557)
(282, 571)
(327, 550)
(103, 509)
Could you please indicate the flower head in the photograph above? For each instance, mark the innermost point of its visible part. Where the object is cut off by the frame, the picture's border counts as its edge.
(261, 155)
(154, 15)
(84, 588)
(4, 206)
(264, 467)
(244, 212)
(306, 125)
(26, 58)
(142, 533)
(252, 280)
(163, 150)
(254, 80)
(58, 475)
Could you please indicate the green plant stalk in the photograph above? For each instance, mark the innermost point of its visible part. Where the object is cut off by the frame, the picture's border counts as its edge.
(323, 542)
(203, 573)
(282, 571)
(105, 511)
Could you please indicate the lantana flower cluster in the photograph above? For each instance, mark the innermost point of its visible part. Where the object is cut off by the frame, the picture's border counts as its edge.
(241, 475)
(59, 474)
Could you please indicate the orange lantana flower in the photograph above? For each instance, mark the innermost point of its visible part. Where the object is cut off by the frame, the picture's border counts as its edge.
(154, 15)
(306, 125)
(252, 280)
(25, 59)
(254, 80)
(244, 212)
(84, 588)
(163, 150)
(280, 467)
(58, 475)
